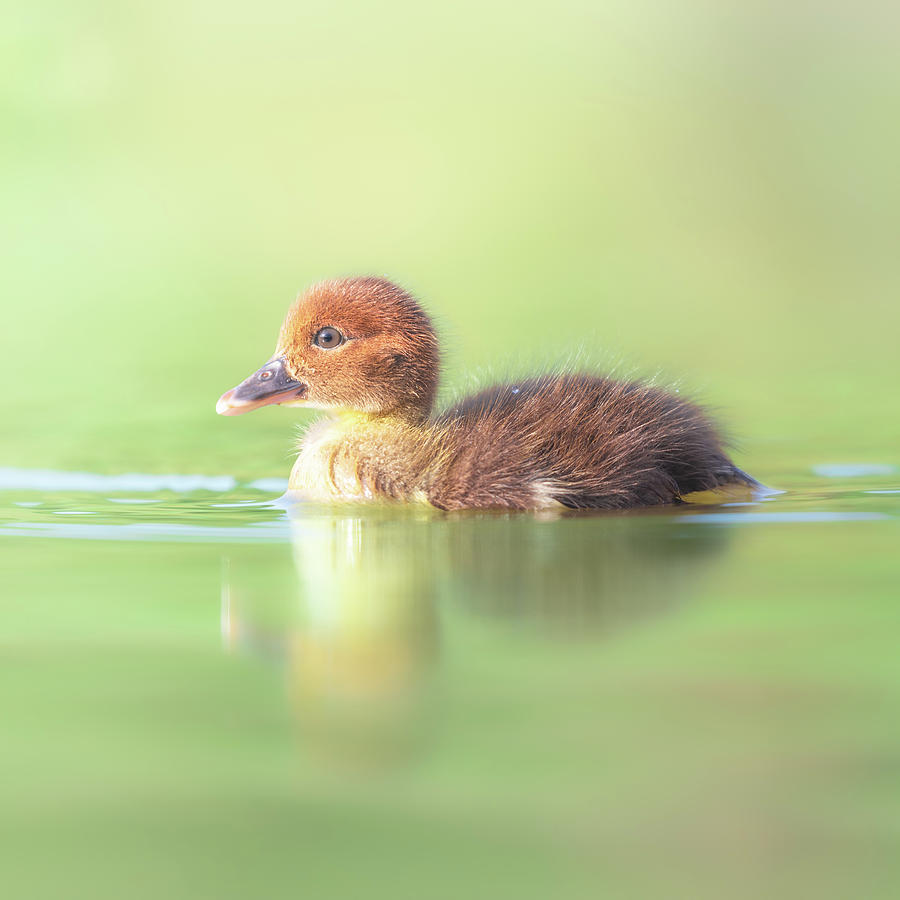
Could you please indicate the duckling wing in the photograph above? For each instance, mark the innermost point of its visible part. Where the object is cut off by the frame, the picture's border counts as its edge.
(577, 440)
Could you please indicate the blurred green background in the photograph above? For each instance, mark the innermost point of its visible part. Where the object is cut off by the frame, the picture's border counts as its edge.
(708, 190)
(202, 697)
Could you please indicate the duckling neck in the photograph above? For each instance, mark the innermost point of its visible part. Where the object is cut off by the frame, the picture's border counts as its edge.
(409, 417)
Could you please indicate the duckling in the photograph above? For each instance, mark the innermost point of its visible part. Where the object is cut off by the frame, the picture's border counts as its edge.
(365, 349)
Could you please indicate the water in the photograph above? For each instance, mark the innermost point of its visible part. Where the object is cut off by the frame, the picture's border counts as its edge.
(228, 693)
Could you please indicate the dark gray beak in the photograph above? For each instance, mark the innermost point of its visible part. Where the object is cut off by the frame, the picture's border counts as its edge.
(270, 384)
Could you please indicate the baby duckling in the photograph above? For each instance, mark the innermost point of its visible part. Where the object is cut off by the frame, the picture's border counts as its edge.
(364, 348)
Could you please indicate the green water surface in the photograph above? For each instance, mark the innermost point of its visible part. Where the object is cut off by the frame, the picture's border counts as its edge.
(216, 695)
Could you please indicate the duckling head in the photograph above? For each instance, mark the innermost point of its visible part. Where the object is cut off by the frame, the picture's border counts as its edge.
(360, 344)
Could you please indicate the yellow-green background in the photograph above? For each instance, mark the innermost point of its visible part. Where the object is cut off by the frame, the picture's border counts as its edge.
(634, 706)
(709, 190)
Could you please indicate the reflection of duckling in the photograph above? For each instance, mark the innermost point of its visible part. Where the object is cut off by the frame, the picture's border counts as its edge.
(578, 576)
(358, 608)
(351, 615)
(364, 347)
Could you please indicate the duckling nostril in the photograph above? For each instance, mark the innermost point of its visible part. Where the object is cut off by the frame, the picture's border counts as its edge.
(265, 375)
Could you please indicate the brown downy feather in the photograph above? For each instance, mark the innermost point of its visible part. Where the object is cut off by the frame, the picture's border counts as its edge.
(576, 440)
(582, 440)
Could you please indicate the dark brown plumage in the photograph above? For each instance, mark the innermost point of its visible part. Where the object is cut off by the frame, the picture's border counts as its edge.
(365, 348)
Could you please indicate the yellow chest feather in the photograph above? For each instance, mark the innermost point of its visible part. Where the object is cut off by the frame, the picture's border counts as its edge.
(347, 459)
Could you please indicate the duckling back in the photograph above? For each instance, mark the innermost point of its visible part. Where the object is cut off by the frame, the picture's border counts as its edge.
(580, 441)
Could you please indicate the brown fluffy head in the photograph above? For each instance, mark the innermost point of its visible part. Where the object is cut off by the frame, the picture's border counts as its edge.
(387, 357)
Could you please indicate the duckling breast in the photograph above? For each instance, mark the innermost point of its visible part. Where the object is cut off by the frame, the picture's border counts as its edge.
(362, 458)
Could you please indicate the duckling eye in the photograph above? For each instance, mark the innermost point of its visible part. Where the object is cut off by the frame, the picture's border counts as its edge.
(328, 338)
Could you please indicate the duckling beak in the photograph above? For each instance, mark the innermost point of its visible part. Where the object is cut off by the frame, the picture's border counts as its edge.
(270, 384)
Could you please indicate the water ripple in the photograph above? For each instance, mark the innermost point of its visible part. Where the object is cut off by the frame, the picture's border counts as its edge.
(278, 531)
(92, 483)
